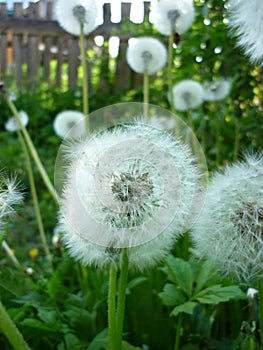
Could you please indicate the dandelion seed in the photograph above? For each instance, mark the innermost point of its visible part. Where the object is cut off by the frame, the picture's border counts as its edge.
(229, 229)
(175, 16)
(146, 55)
(163, 122)
(131, 186)
(245, 22)
(76, 13)
(252, 293)
(69, 124)
(9, 196)
(12, 124)
(217, 90)
(187, 94)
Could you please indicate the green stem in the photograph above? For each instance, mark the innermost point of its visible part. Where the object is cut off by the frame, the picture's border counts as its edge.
(121, 297)
(11, 255)
(85, 84)
(170, 66)
(217, 125)
(112, 307)
(146, 97)
(260, 309)
(237, 139)
(32, 150)
(178, 332)
(35, 198)
(11, 331)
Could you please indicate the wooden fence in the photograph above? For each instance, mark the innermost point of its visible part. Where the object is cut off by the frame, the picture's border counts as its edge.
(34, 47)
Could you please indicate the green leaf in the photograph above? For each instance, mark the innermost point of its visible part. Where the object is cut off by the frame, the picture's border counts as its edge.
(135, 282)
(50, 327)
(46, 316)
(187, 308)
(179, 271)
(206, 275)
(100, 341)
(218, 294)
(126, 346)
(170, 295)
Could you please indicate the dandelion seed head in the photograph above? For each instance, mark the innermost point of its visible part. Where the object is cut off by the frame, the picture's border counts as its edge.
(229, 230)
(187, 94)
(217, 90)
(76, 13)
(131, 186)
(245, 22)
(12, 124)
(10, 195)
(69, 124)
(146, 54)
(173, 16)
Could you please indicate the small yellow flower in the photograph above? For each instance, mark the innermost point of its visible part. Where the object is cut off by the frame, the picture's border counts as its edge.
(33, 253)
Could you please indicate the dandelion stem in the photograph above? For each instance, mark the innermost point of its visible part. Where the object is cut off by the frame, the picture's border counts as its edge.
(85, 83)
(260, 309)
(146, 97)
(237, 139)
(35, 197)
(170, 66)
(121, 297)
(11, 255)
(11, 331)
(178, 332)
(112, 307)
(32, 150)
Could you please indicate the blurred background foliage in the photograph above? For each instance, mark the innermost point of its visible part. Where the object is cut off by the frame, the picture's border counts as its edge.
(66, 308)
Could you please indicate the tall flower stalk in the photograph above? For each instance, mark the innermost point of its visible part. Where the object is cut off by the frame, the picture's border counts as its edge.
(11, 331)
(32, 149)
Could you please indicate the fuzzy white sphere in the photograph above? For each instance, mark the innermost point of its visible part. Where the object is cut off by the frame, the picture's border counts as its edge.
(187, 94)
(229, 229)
(175, 16)
(217, 90)
(9, 196)
(246, 23)
(12, 124)
(71, 14)
(132, 187)
(146, 54)
(69, 124)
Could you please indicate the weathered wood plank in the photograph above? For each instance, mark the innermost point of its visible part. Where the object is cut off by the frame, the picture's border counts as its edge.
(73, 62)
(17, 58)
(32, 60)
(3, 56)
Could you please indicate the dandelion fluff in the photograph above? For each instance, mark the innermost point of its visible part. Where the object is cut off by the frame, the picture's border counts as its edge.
(74, 13)
(69, 124)
(146, 54)
(9, 196)
(187, 94)
(12, 124)
(246, 23)
(130, 186)
(175, 16)
(217, 90)
(229, 229)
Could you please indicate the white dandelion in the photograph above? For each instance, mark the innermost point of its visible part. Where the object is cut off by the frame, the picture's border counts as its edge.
(146, 55)
(229, 229)
(246, 23)
(131, 186)
(217, 90)
(12, 124)
(187, 94)
(9, 196)
(175, 16)
(73, 14)
(69, 124)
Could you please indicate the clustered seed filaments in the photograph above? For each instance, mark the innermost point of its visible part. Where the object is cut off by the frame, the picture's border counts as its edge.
(249, 221)
(146, 57)
(80, 13)
(133, 191)
(173, 16)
